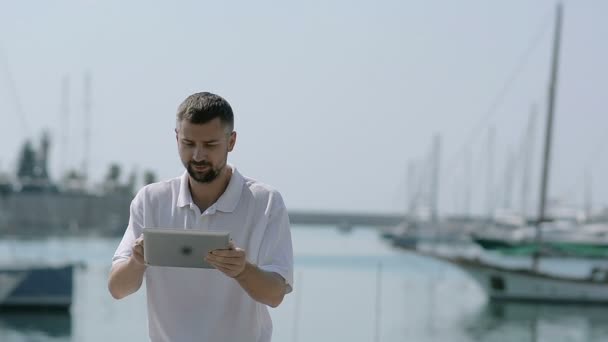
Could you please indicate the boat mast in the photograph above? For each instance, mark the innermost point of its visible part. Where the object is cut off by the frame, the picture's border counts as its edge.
(588, 195)
(87, 126)
(468, 182)
(542, 215)
(490, 198)
(412, 190)
(435, 178)
(64, 125)
(526, 149)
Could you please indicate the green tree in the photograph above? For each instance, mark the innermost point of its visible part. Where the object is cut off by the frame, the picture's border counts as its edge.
(114, 173)
(27, 162)
(149, 177)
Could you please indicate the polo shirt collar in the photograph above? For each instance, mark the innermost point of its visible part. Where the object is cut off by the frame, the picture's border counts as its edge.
(231, 196)
(227, 201)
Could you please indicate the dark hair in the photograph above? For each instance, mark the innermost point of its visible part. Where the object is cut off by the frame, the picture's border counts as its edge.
(203, 107)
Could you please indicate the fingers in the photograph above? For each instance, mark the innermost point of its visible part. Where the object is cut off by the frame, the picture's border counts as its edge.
(138, 250)
(229, 253)
(223, 266)
(231, 262)
(227, 256)
(229, 270)
(138, 245)
(139, 242)
(224, 260)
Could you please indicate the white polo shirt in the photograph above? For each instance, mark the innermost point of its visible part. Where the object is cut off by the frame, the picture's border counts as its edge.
(206, 305)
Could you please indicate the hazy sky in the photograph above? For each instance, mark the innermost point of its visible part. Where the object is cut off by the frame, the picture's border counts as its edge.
(332, 98)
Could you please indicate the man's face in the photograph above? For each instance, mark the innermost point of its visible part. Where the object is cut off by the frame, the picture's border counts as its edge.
(203, 148)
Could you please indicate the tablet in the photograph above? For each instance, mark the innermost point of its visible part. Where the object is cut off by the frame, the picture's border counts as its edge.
(181, 247)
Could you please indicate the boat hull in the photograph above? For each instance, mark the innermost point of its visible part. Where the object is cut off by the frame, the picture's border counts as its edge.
(527, 286)
(563, 248)
(36, 287)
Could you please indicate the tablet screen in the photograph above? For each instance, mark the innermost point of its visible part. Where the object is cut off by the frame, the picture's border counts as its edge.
(181, 247)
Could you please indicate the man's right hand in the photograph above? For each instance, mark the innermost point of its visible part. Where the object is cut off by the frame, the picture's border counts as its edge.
(138, 251)
(126, 277)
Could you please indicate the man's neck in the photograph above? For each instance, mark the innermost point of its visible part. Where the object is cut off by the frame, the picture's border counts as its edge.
(205, 194)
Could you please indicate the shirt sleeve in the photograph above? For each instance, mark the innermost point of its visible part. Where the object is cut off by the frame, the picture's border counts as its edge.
(133, 231)
(276, 253)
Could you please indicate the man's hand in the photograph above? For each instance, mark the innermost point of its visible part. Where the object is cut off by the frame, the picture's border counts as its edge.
(265, 287)
(126, 277)
(138, 251)
(229, 261)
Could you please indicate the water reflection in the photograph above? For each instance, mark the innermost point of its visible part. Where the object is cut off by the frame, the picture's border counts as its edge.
(52, 324)
(538, 322)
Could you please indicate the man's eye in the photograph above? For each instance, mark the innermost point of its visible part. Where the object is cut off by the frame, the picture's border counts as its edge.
(188, 143)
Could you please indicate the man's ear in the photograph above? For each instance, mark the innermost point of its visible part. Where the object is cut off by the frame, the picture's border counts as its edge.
(231, 141)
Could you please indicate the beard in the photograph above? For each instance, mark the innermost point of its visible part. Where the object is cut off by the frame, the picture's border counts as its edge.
(206, 176)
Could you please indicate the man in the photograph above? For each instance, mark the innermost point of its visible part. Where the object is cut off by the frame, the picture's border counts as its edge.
(228, 303)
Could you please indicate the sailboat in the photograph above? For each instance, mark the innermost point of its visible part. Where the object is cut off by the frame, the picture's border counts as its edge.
(569, 240)
(36, 287)
(529, 282)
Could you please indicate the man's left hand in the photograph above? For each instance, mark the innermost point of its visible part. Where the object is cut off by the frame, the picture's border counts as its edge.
(229, 261)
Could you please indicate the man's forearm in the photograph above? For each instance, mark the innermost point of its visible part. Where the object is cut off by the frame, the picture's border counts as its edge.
(265, 287)
(126, 278)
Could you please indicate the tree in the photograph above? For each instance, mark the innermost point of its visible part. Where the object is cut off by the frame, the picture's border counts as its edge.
(130, 186)
(114, 174)
(26, 169)
(149, 177)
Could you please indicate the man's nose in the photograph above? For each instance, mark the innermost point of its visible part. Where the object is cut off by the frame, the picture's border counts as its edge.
(199, 154)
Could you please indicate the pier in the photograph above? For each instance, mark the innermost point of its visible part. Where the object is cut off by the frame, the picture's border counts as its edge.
(345, 220)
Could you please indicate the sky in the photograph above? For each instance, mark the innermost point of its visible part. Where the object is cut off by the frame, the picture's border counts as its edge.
(332, 99)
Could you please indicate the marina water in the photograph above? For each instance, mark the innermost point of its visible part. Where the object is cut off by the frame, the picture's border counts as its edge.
(348, 287)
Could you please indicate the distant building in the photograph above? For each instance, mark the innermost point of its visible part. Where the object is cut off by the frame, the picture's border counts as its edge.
(33, 205)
